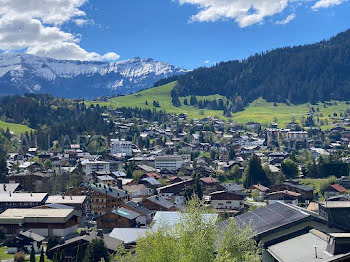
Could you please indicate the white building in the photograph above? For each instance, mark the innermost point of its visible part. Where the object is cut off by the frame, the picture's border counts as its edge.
(222, 200)
(96, 166)
(121, 147)
(169, 162)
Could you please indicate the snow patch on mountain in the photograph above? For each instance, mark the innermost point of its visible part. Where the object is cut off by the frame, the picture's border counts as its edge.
(29, 73)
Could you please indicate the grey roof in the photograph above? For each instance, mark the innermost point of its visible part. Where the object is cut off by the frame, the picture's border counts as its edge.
(119, 174)
(270, 217)
(57, 206)
(301, 187)
(110, 242)
(111, 191)
(128, 235)
(9, 187)
(32, 235)
(170, 219)
(128, 214)
(161, 201)
(22, 197)
(300, 249)
(66, 200)
(140, 208)
(151, 181)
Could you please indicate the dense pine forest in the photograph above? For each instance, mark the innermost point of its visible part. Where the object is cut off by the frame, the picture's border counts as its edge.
(309, 73)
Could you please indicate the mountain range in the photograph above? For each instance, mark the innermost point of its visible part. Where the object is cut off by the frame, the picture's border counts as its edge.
(24, 73)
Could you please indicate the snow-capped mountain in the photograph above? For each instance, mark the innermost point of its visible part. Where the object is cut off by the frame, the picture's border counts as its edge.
(23, 73)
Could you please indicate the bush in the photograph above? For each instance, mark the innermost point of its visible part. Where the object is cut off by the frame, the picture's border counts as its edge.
(19, 257)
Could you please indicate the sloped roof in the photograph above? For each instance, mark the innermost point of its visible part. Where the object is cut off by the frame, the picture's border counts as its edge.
(271, 217)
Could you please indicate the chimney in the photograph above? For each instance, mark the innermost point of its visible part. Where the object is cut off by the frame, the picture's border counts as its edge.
(4, 187)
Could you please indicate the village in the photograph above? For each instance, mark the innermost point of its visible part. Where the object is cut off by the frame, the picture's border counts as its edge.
(291, 185)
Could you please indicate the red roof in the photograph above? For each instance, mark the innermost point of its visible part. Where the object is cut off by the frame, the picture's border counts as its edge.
(153, 175)
(209, 180)
(260, 187)
(339, 188)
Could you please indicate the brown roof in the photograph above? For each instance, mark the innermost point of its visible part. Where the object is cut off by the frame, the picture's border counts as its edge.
(337, 187)
(209, 180)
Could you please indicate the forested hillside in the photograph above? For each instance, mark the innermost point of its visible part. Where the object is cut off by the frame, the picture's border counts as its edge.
(310, 73)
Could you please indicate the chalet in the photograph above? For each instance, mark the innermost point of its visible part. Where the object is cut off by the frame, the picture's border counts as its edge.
(31, 182)
(334, 190)
(149, 182)
(138, 191)
(263, 190)
(104, 198)
(106, 179)
(45, 222)
(222, 200)
(24, 242)
(173, 189)
(120, 217)
(210, 184)
(284, 196)
(305, 191)
(70, 246)
(159, 204)
(143, 211)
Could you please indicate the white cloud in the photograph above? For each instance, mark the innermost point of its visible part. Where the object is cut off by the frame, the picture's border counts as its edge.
(247, 12)
(206, 61)
(326, 3)
(82, 22)
(287, 20)
(244, 12)
(34, 25)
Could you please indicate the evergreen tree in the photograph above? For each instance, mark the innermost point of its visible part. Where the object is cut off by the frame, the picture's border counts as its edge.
(32, 255)
(42, 255)
(254, 173)
(95, 251)
(79, 256)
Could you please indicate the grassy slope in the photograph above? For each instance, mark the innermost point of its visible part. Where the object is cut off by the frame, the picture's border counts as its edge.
(162, 95)
(16, 128)
(259, 111)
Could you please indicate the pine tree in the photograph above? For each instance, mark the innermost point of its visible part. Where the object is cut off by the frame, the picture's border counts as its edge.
(79, 257)
(32, 255)
(42, 255)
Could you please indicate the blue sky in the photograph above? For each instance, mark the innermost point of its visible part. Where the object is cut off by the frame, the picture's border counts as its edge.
(187, 33)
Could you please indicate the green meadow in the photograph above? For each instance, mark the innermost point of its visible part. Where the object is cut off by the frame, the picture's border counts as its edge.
(16, 128)
(258, 111)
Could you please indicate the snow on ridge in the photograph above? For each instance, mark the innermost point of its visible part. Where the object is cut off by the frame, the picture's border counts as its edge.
(51, 68)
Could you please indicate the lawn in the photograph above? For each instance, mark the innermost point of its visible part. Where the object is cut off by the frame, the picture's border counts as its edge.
(16, 128)
(4, 255)
(258, 111)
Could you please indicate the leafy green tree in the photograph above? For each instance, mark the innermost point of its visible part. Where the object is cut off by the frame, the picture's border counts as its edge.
(195, 238)
(95, 251)
(47, 164)
(289, 168)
